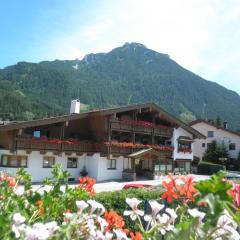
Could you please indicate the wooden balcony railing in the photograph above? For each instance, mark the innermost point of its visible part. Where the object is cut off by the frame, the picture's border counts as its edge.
(155, 130)
(28, 144)
(83, 147)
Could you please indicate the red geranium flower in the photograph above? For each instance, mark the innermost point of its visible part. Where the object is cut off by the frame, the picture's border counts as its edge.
(114, 220)
(187, 189)
(170, 190)
(136, 236)
(87, 184)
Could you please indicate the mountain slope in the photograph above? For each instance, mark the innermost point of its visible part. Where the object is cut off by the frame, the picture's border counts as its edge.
(128, 74)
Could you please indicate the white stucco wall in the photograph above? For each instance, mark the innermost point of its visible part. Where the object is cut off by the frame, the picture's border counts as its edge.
(35, 164)
(181, 155)
(95, 165)
(107, 174)
(92, 163)
(220, 136)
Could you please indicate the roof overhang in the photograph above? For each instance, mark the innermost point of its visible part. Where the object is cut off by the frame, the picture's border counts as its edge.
(143, 152)
(61, 119)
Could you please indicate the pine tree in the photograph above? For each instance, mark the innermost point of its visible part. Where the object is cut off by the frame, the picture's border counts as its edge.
(215, 153)
(218, 121)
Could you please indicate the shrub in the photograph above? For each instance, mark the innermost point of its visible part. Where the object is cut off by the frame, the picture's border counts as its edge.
(117, 200)
(209, 168)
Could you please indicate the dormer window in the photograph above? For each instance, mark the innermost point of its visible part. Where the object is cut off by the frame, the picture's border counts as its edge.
(210, 134)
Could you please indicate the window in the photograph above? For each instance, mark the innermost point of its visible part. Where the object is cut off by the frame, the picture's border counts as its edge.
(48, 161)
(210, 134)
(72, 162)
(14, 161)
(184, 147)
(208, 145)
(111, 164)
(37, 134)
(232, 146)
(203, 145)
(127, 164)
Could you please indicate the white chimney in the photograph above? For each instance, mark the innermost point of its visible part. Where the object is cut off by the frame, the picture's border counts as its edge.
(75, 106)
(225, 125)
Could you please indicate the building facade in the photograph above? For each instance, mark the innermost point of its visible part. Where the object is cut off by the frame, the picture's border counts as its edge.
(230, 139)
(124, 142)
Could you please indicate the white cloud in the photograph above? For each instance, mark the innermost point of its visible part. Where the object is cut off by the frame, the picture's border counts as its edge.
(203, 36)
(95, 30)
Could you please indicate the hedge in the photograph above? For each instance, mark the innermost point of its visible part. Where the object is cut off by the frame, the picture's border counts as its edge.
(117, 200)
(210, 168)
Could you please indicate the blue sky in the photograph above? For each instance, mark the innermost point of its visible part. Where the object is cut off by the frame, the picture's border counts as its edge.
(202, 35)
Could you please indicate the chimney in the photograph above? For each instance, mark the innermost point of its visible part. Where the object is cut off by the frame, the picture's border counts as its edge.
(225, 125)
(75, 106)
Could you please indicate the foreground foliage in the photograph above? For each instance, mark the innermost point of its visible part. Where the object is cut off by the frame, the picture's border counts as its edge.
(206, 210)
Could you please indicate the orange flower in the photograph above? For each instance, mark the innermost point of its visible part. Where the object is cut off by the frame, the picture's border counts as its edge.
(114, 220)
(87, 184)
(41, 209)
(202, 203)
(136, 236)
(170, 190)
(11, 180)
(235, 193)
(187, 189)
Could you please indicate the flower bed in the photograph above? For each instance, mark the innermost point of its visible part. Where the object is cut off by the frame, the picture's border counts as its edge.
(206, 210)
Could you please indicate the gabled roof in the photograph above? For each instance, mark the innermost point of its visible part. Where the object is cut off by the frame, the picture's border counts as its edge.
(102, 112)
(213, 125)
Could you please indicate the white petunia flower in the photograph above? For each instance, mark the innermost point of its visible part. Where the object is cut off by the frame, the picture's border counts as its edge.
(120, 234)
(95, 206)
(68, 216)
(103, 223)
(163, 219)
(37, 232)
(133, 203)
(156, 207)
(196, 214)
(81, 205)
(18, 229)
(172, 213)
(19, 191)
(164, 222)
(18, 219)
(51, 227)
(108, 236)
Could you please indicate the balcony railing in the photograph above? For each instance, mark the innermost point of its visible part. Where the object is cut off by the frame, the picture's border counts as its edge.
(29, 144)
(130, 126)
(82, 147)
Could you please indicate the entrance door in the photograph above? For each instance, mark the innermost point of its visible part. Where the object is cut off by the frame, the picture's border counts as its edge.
(139, 167)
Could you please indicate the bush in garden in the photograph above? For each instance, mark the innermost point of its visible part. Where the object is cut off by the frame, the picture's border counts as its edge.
(209, 168)
(117, 200)
(206, 210)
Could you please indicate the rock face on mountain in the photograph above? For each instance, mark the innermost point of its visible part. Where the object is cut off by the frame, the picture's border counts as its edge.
(128, 74)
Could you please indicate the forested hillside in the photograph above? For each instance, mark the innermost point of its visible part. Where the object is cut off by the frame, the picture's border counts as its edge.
(128, 74)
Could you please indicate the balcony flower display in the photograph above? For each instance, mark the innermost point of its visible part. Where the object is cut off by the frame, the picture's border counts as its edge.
(138, 145)
(143, 124)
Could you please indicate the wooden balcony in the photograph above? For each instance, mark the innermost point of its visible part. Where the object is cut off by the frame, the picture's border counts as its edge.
(38, 145)
(164, 132)
(83, 147)
(125, 127)
(120, 126)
